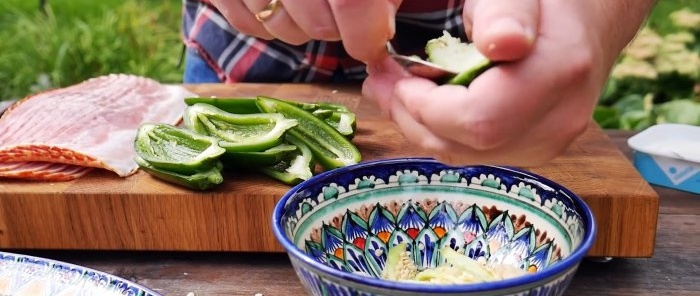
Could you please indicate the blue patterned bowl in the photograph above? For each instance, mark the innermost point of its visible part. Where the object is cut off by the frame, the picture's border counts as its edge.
(338, 226)
(29, 275)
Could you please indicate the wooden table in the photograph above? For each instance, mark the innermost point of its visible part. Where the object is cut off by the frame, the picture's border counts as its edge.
(673, 270)
(140, 213)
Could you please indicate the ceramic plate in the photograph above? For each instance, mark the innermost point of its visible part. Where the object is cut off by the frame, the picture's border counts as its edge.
(22, 275)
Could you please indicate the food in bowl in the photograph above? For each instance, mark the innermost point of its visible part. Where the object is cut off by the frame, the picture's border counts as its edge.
(340, 227)
(456, 268)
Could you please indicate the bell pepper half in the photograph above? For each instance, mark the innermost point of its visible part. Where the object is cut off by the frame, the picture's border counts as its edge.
(295, 167)
(201, 180)
(329, 147)
(238, 132)
(179, 150)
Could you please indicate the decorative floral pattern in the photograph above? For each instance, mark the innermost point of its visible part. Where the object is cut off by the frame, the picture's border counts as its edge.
(348, 220)
(358, 241)
(22, 275)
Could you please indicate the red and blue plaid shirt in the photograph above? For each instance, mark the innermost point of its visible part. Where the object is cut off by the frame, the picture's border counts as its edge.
(236, 57)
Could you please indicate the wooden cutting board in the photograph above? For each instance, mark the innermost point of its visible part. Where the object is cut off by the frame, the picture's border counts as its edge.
(104, 212)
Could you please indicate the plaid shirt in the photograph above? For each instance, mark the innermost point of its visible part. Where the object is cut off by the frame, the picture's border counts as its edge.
(236, 57)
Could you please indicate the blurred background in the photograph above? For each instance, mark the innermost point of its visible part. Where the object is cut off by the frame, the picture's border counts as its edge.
(54, 43)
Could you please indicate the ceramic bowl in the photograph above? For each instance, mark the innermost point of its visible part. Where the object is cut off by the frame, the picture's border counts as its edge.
(29, 275)
(337, 227)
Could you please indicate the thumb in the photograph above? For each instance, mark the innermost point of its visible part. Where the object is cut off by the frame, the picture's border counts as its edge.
(503, 30)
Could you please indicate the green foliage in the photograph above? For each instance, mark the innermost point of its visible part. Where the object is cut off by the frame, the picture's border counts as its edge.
(658, 19)
(79, 39)
(657, 77)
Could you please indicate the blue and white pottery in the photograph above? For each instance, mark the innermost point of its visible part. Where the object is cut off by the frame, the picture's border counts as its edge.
(24, 275)
(338, 226)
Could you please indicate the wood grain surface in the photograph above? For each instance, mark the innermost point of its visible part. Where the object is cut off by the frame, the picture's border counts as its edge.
(673, 270)
(104, 212)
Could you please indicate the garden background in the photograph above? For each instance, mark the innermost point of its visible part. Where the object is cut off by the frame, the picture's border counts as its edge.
(656, 80)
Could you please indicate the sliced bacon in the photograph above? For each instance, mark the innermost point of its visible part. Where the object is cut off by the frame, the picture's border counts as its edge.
(43, 171)
(90, 124)
(8, 166)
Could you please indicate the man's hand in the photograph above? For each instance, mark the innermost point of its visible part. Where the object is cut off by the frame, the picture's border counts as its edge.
(554, 58)
(364, 26)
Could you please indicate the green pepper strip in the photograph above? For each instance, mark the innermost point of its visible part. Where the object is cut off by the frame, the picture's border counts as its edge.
(238, 132)
(330, 148)
(202, 180)
(230, 105)
(265, 158)
(466, 77)
(175, 149)
(332, 106)
(344, 122)
(295, 167)
(337, 115)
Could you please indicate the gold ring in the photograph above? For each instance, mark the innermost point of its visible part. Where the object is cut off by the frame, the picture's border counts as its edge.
(268, 11)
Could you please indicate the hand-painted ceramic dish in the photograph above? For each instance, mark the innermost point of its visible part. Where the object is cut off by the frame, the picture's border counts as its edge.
(23, 275)
(338, 226)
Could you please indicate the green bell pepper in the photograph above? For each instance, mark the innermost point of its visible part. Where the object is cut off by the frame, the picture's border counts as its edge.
(175, 149)
(330, 148)
(201, 180)
(295, 167)
(460, 57)
(337, 115)
(230, 105)
(238, 132)
(344, 122)
(255, 159)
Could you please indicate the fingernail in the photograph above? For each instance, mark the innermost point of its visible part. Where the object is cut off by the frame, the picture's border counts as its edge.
(507, 26)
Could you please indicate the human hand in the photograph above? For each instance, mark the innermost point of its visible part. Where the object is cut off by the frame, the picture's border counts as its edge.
(554, 58)
(364, 26)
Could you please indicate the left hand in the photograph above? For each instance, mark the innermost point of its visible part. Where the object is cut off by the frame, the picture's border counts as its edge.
(555, 58)
(364, 26)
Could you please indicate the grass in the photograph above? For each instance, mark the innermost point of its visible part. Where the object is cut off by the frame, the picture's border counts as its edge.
(79, 39)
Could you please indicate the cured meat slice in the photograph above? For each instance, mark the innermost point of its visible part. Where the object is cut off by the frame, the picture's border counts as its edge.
(44, 171)
(90, 124)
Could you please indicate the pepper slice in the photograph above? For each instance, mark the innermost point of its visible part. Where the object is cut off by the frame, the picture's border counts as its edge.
(246, 105)
(337, 115)
(295, 167)
(330, 148)
(453, 54)
(230, 105)
(344, 122)
(202, 180)
(238, 132)
(265, 158)
(175, 149)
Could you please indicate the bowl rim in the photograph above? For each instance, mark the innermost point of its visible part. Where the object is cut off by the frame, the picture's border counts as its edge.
(565, 264)
(53, 263)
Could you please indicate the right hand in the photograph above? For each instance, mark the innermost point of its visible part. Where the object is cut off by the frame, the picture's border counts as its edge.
(364, 26)
(554, 57)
